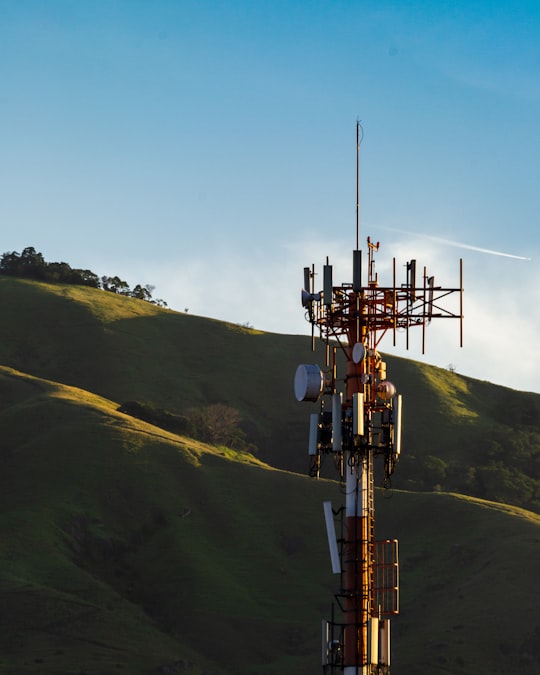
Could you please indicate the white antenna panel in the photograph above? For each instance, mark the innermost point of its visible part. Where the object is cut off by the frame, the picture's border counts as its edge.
(336, 423)
(374, 640)
(358, 414)
(307, 276)
(327, 285)
(313, 433)
(332, 541)
(384, 651)
(325, 640)
(396, 410)
(357, 271)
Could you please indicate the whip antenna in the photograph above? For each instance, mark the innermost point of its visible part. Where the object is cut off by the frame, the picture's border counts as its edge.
(359, 136)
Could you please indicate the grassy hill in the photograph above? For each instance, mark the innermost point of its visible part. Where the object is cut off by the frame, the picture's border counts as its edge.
(460, 434)
(123, 545)
(126, 349)
(126, 548)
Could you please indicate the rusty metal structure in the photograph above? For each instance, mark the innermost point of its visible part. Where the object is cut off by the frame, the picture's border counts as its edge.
(359, 421)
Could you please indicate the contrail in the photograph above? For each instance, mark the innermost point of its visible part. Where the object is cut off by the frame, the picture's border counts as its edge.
(457, 244)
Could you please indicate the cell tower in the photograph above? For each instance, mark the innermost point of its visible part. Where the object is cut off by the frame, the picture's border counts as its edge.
(360, 420)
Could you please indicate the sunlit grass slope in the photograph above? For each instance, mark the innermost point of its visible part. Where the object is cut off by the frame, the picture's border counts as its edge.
(469, 594)
(124, 548)
(460, 434)
(127, 349)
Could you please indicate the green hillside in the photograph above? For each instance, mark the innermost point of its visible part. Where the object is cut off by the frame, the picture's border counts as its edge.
(460, 434)
(126, 349)
(127, 548)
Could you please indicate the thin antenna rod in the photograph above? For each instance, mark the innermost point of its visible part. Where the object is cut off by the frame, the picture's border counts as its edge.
(357, 184)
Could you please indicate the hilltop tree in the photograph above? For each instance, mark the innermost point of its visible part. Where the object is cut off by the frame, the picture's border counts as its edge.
(115, 285)
(88, 278)
(31, 264)
(141, 292)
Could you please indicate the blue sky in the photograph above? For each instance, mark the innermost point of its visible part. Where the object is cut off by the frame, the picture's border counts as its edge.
(208, 148)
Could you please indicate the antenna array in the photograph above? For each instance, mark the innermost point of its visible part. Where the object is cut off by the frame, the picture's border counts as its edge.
(360, 420)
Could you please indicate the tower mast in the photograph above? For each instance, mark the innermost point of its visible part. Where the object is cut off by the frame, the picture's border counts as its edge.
(363, 425)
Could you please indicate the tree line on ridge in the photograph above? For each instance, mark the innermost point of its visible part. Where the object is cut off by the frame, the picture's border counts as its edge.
(31, 264)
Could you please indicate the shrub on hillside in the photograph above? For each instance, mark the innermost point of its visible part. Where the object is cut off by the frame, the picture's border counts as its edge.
(216, 424)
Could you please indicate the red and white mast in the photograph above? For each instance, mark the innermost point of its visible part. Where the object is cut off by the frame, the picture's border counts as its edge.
(362, 421)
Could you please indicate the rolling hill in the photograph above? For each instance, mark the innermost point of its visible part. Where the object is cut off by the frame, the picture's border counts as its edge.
(460, 434)
(128, 548)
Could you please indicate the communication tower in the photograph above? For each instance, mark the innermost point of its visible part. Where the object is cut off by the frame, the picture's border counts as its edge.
(360, 420)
